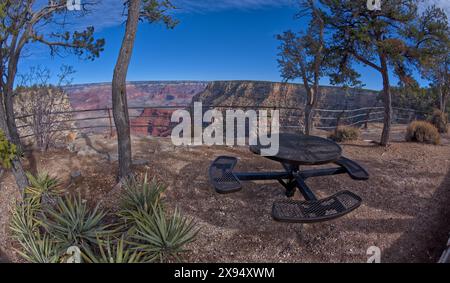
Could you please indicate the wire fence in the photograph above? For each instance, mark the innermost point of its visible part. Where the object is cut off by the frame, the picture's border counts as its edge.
(156, 120)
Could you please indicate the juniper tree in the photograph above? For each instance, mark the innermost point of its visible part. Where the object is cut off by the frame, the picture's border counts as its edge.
(302, 56)
(437, 70)
(153, 11)
(23, 22)
(395, 38)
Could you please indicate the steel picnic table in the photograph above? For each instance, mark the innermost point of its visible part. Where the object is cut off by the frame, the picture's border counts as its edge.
(296, 151)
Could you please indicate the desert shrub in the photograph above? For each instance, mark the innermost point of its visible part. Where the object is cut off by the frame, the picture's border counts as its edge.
(163, 238)
(8, 152)
(24, 218)
(39, 248)
(26, 225)
(43, 188)
(73, 223)
(45, 232)
(43, 109)
(113, 251)
(423, 132)
(159, 236)
(343, 134)
(139, 195)
(440, 120)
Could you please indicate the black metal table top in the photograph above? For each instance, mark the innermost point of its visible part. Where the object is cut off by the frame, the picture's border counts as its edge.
(298, 149)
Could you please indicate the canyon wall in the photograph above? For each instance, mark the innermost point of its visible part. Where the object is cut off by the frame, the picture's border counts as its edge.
(151, 118)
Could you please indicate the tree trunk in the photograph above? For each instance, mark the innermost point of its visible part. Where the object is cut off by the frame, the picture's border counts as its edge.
(17, 168)
(10, 118)
(9, 101)
(387, 101)
(119, 92)
(310, 105)
(308, 119)
(443, 100)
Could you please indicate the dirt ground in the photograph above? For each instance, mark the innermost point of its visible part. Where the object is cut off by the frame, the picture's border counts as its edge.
(406, 211)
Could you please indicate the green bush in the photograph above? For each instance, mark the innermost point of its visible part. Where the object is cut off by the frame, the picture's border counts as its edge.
(343, 134)
(440, 120)
(8, 152)
(423, 132)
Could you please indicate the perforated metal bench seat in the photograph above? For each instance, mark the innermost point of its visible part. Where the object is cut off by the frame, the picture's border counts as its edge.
(315, 211)
(354, 170)
(222, 177)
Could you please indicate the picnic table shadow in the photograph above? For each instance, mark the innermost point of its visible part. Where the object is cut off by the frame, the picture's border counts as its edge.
(250, 208)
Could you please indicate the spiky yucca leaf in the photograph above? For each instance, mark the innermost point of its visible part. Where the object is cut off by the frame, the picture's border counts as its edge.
(26, 228)
(37, 248)
(24, 220)
(113, 251)
(72, 222)
(139, 195)
(43, 187)
(162, 239)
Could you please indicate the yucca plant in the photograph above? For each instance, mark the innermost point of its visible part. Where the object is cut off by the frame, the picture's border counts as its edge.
(24, 220)
(113, 251)
(39, 248)
(43, 188)
(72, 222)
(26, 227)
(139, 195)
(162, 239)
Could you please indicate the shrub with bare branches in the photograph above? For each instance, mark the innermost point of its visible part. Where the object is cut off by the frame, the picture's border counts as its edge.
(41, 108)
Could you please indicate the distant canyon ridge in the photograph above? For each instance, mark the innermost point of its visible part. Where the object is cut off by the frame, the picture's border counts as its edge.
(149, 100)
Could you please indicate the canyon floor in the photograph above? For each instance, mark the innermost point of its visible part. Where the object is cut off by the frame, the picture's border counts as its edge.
(406, 211)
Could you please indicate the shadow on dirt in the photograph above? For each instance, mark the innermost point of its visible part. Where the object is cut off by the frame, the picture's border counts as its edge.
(425, 237)
(3, 258)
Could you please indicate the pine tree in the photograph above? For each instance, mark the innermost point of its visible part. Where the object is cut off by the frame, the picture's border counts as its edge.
(153, 11)
(394, 39)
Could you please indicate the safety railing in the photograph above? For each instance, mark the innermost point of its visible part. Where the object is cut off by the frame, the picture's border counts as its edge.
(101, 119)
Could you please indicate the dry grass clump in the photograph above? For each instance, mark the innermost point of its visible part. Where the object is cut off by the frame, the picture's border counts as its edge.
(440, 120)
(423, 132)
(343, 134)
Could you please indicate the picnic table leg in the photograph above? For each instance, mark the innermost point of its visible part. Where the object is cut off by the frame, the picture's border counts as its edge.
(290, 186)
(290, 168)
(304, 189)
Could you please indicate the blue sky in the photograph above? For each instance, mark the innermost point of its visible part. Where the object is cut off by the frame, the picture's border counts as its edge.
(215, 40)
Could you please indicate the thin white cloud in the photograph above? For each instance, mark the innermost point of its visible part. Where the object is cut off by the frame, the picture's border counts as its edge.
(109, 13)
(214, 5)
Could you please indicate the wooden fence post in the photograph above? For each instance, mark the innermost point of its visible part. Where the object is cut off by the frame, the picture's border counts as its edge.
(110, 124)
(338, 121)
(366, 124)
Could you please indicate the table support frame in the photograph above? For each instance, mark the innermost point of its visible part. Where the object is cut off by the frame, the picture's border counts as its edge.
(292, 178)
